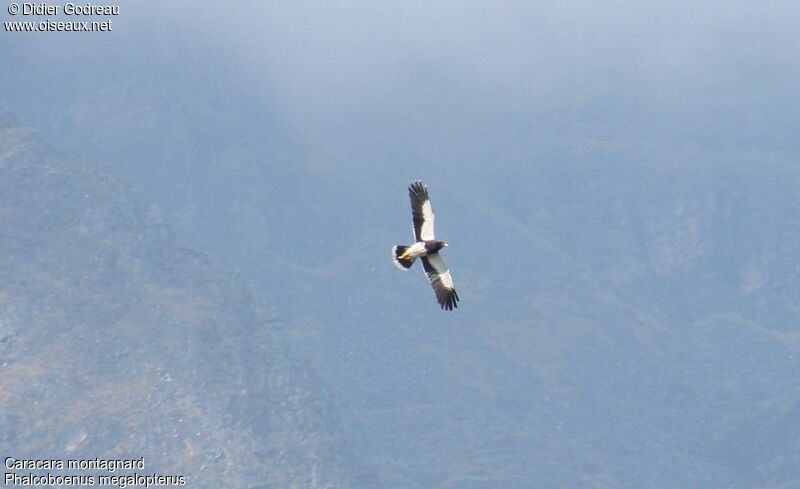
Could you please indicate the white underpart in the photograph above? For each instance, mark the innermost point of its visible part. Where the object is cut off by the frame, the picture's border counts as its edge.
(426, 233)
(442, 273)
(447, 279)
(416, 250)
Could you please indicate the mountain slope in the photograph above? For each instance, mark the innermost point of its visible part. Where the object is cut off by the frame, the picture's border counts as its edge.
(115, 342)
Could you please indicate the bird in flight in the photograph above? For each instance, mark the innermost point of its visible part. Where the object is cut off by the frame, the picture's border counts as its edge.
(426, 248)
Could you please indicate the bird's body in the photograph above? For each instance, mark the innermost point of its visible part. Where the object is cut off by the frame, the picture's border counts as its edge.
(404, 256)
(426, 248)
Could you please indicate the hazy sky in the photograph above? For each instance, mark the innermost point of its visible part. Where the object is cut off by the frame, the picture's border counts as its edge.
(340, 76)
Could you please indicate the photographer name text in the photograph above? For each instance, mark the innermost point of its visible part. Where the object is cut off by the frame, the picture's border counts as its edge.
(66, 9)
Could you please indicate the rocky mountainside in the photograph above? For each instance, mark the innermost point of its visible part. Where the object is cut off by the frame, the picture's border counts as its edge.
(633, 322)
(115, 341)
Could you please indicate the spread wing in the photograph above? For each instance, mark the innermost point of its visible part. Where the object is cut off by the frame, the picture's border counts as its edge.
(421, 211)
(441, 281)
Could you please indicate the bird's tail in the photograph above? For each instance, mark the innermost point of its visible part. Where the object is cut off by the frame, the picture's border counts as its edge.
(402, 263)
